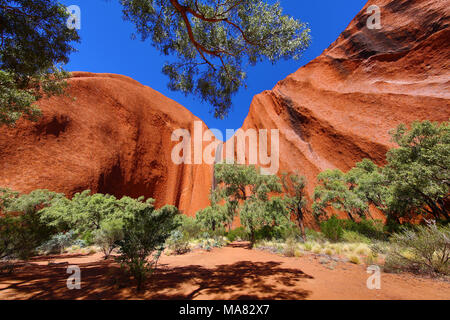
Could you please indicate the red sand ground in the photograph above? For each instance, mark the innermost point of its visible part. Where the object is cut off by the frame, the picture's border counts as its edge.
(233, 272)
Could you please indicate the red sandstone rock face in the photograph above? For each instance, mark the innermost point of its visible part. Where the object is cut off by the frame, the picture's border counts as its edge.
(116, 136)
(113, 137)
(339, 108)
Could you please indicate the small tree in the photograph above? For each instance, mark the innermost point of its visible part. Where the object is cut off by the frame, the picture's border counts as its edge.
(108, 235)
(144, 235)
(335, 191)
(246, 192)
(34, 40)
(294, 189)
(23, 222)
(419, 169)
(213, 40)
(86, 212)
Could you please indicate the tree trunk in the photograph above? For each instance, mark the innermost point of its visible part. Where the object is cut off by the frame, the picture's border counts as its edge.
(252, 238)
(302, 228)
(300, 222)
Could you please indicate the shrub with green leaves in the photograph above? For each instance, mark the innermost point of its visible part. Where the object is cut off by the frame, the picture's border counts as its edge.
(108, 235)
(332, 228)
(238, 234)
(426, 250)
(178, 242)
(354, 237)
(58, 243)
(144, 237)
(23, 230)
(34, 41)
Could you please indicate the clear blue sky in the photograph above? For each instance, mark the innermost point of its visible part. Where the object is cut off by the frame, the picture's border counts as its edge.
(106, 46)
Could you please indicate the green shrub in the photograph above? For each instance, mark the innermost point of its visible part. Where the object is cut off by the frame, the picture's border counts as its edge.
(332, 229)
(178, 242)
(21, 226)
(238, 234)
(425, 251)
(189, 227)
(290, 248)
(107, 236)
(58, 243)
(144, 236)
(313, 235)
(355, 237)
(373, 229)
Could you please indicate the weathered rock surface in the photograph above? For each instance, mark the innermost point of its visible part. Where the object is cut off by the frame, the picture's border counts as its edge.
(333, 112)
(339, 108)
(112, 135)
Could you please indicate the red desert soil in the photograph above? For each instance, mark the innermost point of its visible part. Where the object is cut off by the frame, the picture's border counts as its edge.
(233, 272)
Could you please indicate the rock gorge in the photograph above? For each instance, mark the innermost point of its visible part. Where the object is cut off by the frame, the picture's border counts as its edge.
(113, 135)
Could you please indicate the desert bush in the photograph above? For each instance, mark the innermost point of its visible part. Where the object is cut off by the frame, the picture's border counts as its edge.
(190, 227)
(21, 228)
(332, 228)
(372, 229)
(58, 243)
(238, 234)
(178, 242)
(354, 237)
(290, 248)
(108, 235)
(426, 250)
(144, 236)
(313, 235)
(8, 230)
(354, 259)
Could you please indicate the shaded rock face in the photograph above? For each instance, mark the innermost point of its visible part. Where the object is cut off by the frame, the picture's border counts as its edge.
(338, 109)
(112, 135)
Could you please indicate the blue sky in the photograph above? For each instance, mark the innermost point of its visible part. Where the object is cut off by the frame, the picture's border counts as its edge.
(106, 46)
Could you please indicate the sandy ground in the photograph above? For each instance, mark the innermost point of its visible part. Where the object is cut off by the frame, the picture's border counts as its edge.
(233, 272)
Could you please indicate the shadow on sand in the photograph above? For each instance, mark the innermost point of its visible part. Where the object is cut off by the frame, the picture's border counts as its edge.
(105, 280)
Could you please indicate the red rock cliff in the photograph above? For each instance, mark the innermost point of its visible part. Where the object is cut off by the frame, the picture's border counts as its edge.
(113, 135)
(331, 113)
(339, 108)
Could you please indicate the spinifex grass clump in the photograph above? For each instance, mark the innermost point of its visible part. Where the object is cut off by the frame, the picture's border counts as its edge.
(425, 251)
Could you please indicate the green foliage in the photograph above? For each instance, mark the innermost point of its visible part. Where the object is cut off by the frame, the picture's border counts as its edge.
(238, 234)
(332, 228)
(144, 235)
(213, 217)
(9, 228)
(86, 212)
(314, 235)
(354, 237)
(108, 235)
(415, 179)
(178, 242)
(34, 40)
(333, 191)
(373, 229)
(246, 192)
(295, 195)
(22, 230)
(58, 243)
(425, 251)
(188, 226)
(419, 169)
(213, 40)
